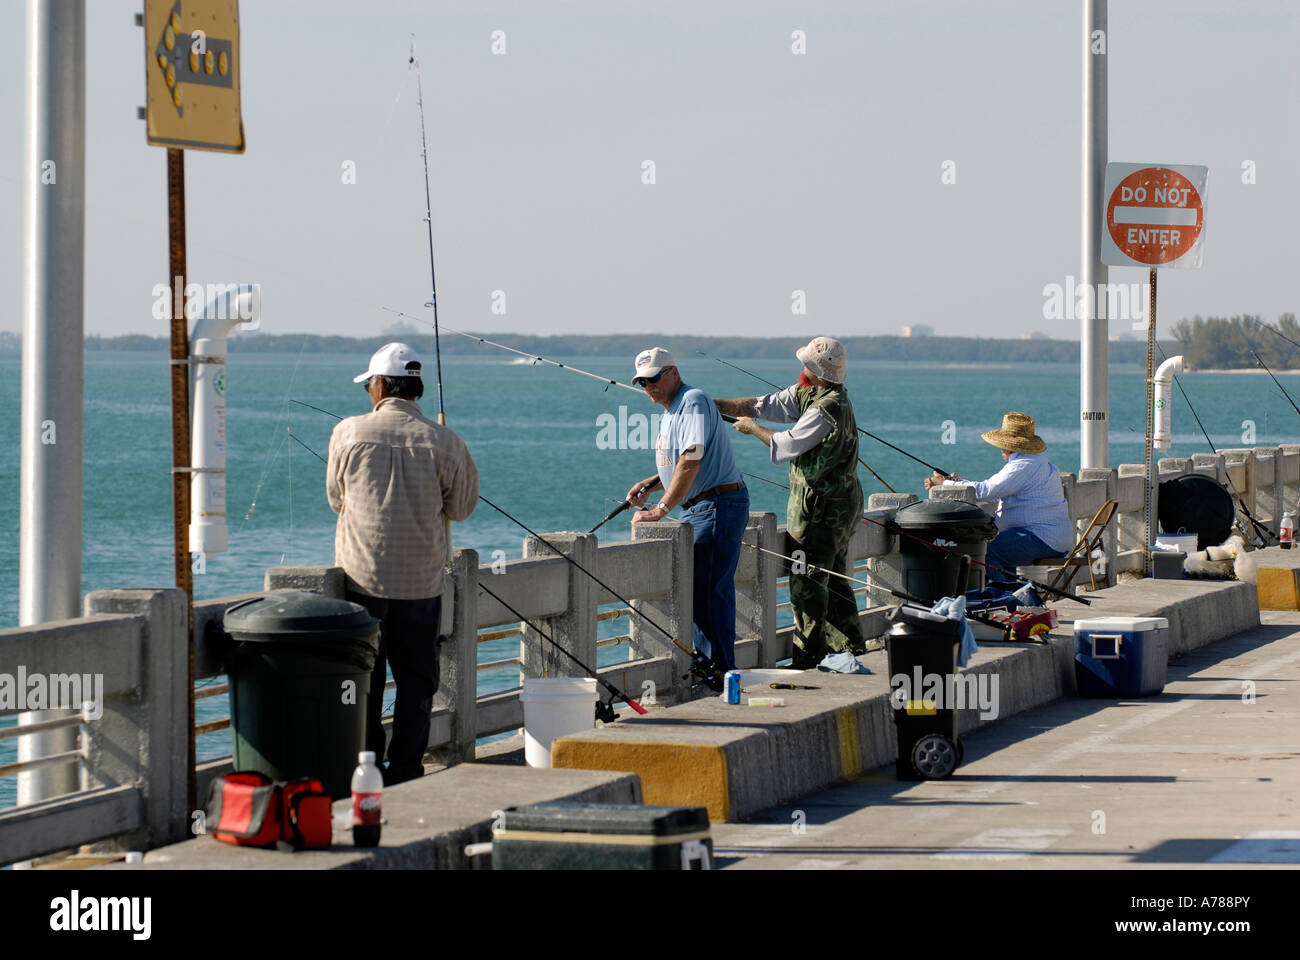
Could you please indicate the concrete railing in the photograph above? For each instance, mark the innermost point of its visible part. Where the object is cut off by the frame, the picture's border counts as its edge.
(132, 759)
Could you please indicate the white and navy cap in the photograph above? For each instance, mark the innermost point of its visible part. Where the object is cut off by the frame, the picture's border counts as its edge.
(392, 360)
(652, 362)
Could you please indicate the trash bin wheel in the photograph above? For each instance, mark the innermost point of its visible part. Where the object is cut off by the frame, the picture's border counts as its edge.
(934, 756)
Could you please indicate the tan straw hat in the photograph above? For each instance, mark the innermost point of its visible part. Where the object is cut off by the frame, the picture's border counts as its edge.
(824, 357)
(1017, 434)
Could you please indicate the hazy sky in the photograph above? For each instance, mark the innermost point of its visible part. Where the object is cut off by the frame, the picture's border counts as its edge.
(775, 172)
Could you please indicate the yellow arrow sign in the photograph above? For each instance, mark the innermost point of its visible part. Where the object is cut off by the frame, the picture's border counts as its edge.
(192, 74)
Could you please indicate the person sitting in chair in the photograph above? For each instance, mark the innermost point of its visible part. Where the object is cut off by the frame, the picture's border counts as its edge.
(1033, 517)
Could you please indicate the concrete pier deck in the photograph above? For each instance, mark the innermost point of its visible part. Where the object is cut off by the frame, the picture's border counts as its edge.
(738, 760)
(1203, 776)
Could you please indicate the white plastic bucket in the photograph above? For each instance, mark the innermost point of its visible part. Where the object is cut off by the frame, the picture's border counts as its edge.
(555, 707)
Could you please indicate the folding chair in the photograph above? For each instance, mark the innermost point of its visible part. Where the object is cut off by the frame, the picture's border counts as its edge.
(1081, 554)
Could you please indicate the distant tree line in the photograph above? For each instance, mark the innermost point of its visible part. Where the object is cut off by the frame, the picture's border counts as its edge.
(1219, 343)
(625, 346)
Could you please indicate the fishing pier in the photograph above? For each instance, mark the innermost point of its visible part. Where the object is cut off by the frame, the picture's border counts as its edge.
(131, 760)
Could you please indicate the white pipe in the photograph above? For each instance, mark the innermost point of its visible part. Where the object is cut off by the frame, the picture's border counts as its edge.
(1162, 437)
(230, 307)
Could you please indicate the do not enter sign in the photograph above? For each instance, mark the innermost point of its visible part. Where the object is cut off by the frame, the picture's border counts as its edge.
(1155, 215)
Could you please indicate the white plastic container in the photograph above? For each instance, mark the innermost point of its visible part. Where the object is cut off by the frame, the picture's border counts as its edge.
(555, 707)
(1186, 542)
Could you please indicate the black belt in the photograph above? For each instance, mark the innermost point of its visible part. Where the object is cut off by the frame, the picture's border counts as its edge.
(725, 488)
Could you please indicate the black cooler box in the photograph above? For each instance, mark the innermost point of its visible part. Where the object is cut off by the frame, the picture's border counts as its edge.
(564, 835)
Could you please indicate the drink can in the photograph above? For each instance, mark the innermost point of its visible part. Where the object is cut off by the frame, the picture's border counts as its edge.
(731, 686)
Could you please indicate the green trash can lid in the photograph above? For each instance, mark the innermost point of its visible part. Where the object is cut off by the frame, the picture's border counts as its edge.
(296, 615)
(939, 513)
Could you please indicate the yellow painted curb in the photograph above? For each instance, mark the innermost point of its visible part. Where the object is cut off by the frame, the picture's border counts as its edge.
(672, 774)
(1278, 588)
(846, 727)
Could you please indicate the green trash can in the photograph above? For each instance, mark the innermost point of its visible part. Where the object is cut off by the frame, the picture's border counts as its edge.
(299, 681)
(929, 573)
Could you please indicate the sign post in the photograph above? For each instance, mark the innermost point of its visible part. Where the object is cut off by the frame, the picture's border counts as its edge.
(1155, 217)
(192, 62)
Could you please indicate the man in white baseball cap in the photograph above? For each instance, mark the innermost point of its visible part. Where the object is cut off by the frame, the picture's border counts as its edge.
(393, 475)
(825, 506)
(697, 470)
(392, 360)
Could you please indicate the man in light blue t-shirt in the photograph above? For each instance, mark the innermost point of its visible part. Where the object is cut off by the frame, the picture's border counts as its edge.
(697, 470)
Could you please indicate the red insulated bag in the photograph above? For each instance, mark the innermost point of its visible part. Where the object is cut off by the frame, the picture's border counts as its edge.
(244, 809)
(307, 819)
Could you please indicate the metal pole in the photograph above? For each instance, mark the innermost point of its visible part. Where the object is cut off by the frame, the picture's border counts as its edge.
(49, 565)
(180, 389)
(1094, 375)
(1148, 471)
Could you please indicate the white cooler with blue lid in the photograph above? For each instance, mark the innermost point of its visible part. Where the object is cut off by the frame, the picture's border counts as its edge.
(1121, 656)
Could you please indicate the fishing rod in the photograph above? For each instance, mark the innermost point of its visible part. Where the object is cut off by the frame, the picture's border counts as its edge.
(654, 485)
(529, 356)
(1260, 529)
(988, 566)
(700, 663)
(614, 692)
(428, 219)
(1261, 362)
(977, 616)
(867, 433)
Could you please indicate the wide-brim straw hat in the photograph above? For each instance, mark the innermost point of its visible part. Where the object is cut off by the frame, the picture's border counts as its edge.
(1017, 434)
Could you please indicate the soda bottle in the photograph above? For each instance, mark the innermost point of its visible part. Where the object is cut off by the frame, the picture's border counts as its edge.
(1286, 535)
(367, 800)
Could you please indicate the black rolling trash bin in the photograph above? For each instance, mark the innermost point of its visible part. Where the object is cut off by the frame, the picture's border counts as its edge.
(922, 645)
(929, 573)
(299, 681)
(564, 835)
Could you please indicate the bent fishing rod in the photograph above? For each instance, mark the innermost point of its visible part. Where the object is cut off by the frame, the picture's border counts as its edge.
(866, 433)
(626, 504)
(988, 566)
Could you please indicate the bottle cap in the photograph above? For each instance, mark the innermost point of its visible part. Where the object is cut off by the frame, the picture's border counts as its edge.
(366, 756)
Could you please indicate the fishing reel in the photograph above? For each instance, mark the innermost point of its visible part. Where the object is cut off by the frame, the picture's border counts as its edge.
(703, 670)
(605, 711)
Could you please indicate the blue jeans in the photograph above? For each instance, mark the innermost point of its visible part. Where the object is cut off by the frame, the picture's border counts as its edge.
(1011, 548)
(719, 527)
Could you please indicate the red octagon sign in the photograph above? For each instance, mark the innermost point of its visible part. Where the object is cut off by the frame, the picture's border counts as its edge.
(1155, 215)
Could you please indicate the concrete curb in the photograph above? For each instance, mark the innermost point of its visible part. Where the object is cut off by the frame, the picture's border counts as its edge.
(738, 760)
(429, 822)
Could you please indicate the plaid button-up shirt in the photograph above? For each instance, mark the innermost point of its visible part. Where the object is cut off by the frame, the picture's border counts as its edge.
(392, 476)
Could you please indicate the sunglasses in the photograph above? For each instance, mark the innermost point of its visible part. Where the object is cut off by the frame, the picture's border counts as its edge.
(642, 381)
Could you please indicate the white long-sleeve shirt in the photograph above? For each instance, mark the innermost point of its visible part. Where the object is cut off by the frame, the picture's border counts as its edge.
(1029, 492)
(809, 429)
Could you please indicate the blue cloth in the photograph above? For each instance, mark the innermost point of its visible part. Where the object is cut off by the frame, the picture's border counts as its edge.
(718, 524)
(692, 419)
(842, 662)
(1010, 548)
(954, 608)
(1002, 596)
(1030, 498)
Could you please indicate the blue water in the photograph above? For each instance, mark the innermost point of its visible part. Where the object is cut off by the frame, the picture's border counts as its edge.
(532, 430)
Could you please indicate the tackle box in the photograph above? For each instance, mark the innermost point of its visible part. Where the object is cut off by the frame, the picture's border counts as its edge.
(564, 835)
(1121, 656)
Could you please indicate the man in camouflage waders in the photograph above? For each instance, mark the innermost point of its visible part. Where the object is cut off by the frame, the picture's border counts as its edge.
(825, 505)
